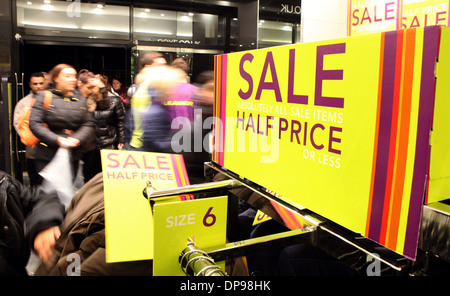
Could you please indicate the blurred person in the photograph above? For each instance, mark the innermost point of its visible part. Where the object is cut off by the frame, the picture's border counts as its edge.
(121, 91)
(181, 98)
(83, 234)
(151, 119)
(148, 61)
(30, 221)
(37, 84)
(69, 124)
(109, 126)
(194, 141)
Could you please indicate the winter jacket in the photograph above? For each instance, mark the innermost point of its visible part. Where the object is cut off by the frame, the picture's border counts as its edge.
(109, 122)
(66, 116)
(24, 212)
(83, 237)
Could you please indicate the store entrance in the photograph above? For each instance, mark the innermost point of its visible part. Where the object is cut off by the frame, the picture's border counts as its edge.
(42, 56)
(106, 60)
(199, 60)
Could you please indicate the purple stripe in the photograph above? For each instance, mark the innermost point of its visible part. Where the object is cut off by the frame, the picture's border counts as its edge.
(422, 157)
(223, 114)
(384, 135)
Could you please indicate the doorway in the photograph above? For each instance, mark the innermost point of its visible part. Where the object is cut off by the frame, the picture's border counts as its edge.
(110, 61)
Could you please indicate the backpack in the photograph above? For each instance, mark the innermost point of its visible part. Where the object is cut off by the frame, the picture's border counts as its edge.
(26, 136)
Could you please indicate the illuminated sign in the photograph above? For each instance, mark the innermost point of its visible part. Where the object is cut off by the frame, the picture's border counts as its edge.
(341, 127)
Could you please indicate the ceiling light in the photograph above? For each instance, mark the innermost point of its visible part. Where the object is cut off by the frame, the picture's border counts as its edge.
(190, 14)
(147, 10)
(162, 14)
(29, 3)
(98, 11)
(47, 1)
(100, 5)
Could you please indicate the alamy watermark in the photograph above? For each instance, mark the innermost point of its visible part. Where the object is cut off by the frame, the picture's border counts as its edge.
(74, 8)
(190, 137)
(374, 268)
(74, 267)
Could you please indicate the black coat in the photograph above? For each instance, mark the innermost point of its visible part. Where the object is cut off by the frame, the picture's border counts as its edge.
(66, 116)
(24, 212)
(109, 122)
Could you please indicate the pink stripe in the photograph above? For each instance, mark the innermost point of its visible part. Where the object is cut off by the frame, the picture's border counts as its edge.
(223, 99)
(175, 170)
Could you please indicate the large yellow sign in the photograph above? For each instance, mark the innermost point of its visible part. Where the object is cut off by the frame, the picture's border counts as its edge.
(341, 127)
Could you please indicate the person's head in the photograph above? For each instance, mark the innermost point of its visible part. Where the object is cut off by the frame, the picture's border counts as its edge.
(37, 82)
(64, 78)
(116, 84)
(84, 82)
(182, 64)
(152, 59)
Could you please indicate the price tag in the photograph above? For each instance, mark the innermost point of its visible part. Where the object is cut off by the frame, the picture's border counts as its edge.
(203, 219)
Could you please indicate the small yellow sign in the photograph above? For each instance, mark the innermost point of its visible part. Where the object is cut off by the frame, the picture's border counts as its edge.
(203, 219)
(128, 216)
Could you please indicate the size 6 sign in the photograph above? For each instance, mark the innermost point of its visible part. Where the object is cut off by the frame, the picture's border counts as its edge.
(187, 219)
(205, 219)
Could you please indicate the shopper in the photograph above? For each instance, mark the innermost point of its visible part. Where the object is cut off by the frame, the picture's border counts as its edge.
(83, 239)
(85, 87)
(194, 141)
(121, 91)
(133, 124)
(30, 219)
(37, 84)
(68, 123)
(109, 126)
(151, 130)
(181, 98)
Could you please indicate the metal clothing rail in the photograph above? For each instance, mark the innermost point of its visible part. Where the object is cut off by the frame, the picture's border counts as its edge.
(314, 227)
(195, 262)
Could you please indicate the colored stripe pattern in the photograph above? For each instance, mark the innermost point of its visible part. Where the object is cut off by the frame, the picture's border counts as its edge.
(181, 175)
(220, 77)
(290, 219)
(396, 137)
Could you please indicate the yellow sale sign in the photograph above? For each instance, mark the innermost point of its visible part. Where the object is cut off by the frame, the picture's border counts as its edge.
(128, 216)
(341, 127)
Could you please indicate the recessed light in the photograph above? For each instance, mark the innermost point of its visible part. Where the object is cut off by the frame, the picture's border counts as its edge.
(147, 10)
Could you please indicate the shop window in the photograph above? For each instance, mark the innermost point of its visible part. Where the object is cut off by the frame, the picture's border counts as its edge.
(271, 33)
(73, 19)
(177, 27)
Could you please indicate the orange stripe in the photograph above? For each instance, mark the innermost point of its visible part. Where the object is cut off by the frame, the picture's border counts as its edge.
(288, 218)
(375, 141)
(403, 140)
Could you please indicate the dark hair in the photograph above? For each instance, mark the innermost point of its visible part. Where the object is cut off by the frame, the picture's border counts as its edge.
(180, 63)
(205, 76)
(56, 70)
(84, 75)
(147, 58)
(37, 74)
